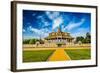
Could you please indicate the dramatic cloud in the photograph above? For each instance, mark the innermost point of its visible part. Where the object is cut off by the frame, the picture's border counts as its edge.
(80, 31)
(39, 32)
(72, 24)
(52, 15)
(56, 18)
(57, 22)
(38, 24)
(43, 21)
(33, 29)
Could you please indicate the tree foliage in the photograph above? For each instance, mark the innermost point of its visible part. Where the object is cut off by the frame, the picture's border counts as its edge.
(30, 41)
(86, 39)
(26, 41)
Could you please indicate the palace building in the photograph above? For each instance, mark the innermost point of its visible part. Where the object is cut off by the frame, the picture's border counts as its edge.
(59, 37)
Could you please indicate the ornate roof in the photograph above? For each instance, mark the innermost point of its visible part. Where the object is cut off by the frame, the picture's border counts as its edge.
(59, 34)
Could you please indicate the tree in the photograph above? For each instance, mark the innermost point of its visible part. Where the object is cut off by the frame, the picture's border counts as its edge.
(30, 41)
(88, 37)
(26, 41)
(80, 39)
(33, 41)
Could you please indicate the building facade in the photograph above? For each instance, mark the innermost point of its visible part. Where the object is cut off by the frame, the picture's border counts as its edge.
(59, 37)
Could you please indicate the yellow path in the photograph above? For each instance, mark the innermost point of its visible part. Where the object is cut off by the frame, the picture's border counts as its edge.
(59, 55)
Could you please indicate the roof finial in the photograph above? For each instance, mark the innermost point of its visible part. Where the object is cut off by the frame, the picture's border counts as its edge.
(59, 30)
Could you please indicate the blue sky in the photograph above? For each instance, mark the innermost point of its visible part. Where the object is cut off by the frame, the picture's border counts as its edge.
(38, 24)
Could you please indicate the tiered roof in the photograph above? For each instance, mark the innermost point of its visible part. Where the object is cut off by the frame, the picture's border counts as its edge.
(59, 34)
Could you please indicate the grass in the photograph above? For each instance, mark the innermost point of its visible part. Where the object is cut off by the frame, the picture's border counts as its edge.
(79, 54)
(36, 56)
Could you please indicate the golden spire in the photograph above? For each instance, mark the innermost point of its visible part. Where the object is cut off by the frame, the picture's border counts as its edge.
(59, 30)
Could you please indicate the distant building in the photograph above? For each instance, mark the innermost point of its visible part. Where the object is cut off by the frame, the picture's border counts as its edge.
(59, 37)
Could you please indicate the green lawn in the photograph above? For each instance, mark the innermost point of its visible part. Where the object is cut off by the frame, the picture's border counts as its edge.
(79, 54)
(36, 56)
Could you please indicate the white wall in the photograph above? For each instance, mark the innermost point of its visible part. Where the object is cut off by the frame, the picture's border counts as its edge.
(5, 37)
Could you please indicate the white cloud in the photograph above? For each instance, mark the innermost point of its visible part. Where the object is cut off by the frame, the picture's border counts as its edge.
(39, 32)
(80, 32)
(52, 15)
(57, 22)
(46, 30)
(43, 21)
(46, 23)
(56, 19)
(72, 25)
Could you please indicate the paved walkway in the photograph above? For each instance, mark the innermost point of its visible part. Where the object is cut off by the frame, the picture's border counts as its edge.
(59, 55)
